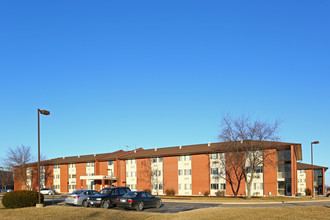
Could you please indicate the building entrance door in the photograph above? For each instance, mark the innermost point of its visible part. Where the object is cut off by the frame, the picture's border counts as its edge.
(288, 189)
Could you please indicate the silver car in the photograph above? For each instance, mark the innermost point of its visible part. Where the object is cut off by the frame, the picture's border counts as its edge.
(47, 191)
(79, 197)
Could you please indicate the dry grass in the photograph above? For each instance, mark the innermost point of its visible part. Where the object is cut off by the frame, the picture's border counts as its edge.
(64, 212)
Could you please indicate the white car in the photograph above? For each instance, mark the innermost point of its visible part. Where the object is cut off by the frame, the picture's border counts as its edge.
(47, 191)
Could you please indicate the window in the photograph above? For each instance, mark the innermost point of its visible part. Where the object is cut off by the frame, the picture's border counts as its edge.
(259, 170)
(133, 161)
(284, 155)
(122, 192)
(180, 172)
(110, 163)
(214, 170)
(115, 192)
(89, 164)
(215, 186)
(160, 186)
(160, 159)
(302, 171)
(187, 172)
(317, 172)
(127, 174)
(180, 158)
(154, 160)
(180, 186)
(222, 186)
(187, 157)
(222, 156)
(214, 156)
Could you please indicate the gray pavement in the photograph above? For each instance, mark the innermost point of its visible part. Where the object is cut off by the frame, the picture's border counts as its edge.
(179, 206)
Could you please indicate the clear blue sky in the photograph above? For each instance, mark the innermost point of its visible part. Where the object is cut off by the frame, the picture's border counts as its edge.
(161, 73)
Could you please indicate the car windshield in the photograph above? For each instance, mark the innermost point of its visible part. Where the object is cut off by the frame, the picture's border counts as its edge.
(77, 192)
(104, 191)
(130, 195)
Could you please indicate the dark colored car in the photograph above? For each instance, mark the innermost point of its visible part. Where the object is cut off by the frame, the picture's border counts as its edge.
(138, 200)
(107, 197)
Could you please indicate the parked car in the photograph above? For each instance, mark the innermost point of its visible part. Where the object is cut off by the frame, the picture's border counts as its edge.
(138, 200)
(79, 197)
(107, 196)
(47, 191)
(9, 190)
(3, 191)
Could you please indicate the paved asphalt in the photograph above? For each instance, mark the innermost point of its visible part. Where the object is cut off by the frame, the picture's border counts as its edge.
(175, 206)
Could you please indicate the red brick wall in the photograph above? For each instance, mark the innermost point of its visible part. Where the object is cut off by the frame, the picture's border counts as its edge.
(121, 172)
(80, 171)
(49, 176)
(64, 178)
(294, 180)
(242, 188)
(34, 181)
(102, 169)
(200, 168)
(309, 179)
(143, 174)
(170, 168)
(17, 182)
(270, 172)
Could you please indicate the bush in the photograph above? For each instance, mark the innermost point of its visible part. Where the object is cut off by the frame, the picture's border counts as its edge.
(170, 192)
(22, 198)
(206, 193)
(147, 190)
(308, 192)
(220, 193)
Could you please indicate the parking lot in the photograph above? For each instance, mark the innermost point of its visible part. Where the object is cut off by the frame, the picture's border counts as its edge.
(167, 207)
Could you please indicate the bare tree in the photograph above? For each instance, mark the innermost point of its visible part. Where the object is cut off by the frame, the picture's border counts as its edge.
(247, 140)
(16, 161)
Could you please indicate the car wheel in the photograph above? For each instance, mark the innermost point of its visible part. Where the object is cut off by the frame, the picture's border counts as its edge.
(50, 193)
(105, 204)
(85, 204)
(140, 206)
(159, 204)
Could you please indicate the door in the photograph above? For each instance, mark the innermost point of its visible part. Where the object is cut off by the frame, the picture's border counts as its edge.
(288, 189)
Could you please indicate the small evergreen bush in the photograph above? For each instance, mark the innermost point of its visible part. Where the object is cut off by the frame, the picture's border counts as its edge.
(21, 198)
(308, 192)
(206, 193)
(170, 192)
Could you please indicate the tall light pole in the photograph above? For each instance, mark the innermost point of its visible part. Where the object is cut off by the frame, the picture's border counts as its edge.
(314, 142)
(44, 112)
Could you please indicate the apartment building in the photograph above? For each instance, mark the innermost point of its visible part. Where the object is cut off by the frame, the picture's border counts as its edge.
(188, 170)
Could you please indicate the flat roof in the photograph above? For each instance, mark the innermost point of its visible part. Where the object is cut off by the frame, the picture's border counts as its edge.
(305, 166)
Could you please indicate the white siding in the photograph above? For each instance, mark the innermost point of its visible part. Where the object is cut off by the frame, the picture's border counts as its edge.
(131, 181)
(184, 175)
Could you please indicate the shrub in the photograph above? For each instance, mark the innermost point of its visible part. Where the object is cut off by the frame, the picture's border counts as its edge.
(220, 193)
(147, 190)
(170, 192)
(308, 192)
(22, 198)
(206, 193)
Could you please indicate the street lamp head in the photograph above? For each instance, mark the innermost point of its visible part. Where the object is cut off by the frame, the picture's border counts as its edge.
(315, 142)
(44, 112)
